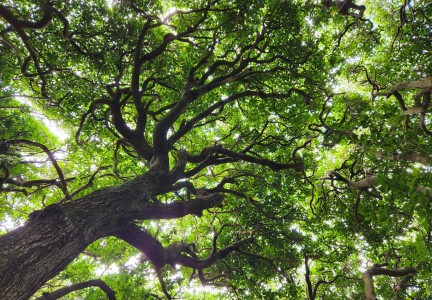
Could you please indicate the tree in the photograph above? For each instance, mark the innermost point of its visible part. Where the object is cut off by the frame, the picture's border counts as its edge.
(264, 148)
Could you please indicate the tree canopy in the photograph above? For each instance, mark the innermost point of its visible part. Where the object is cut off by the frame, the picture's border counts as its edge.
(215, 149)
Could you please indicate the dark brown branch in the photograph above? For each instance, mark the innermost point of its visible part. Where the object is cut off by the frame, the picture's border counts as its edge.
(189, 125)
(297, 166)
(19, 27)
(145, 242)
(159, 256)
(14, 21)
(208, 153)
(325, 282)
(213, 160)
(155, 211)
(190, 262)
(172, 254)
(89, 182)
(91, 110)
(160, 139)
(392, 273)
(32, 183)
(307, 278)
(135, 81)
(51, 158)
(79, 286)
(138, 142)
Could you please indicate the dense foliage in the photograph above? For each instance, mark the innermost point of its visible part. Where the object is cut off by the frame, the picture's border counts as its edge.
(311, 123)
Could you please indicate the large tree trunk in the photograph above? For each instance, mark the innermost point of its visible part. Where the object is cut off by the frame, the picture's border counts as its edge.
(52, 238)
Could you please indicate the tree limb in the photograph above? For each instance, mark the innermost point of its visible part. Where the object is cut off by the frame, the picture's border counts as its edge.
(378, 270)
(79, 286)
(51, 158)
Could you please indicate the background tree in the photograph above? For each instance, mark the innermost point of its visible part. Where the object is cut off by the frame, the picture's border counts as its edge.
(265, 150)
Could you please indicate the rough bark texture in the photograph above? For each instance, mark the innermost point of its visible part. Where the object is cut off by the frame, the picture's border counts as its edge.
(52, 238)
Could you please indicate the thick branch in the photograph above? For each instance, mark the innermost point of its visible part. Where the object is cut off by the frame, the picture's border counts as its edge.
(137, 140)
(364, 183)
(422, 84)
(14, 21)
(159, 256)
(155, 211)
(413, 110)
(56, 235)
(374, 271)
(392, 273)
(142, 240)
(368, 286)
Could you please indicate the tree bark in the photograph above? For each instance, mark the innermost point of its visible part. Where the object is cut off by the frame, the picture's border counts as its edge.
(54, 237)
(369, 285)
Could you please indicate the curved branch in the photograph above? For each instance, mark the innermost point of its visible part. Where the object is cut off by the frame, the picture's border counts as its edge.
(14, 21)
(422, 84)
(191, 262)
(138, 142)
(19, 27)
(172, 254)
(325, 282)
(145, 242)
(297, 166)
(79, 286)
(51, 158)
(90, 111)
(378, 270)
